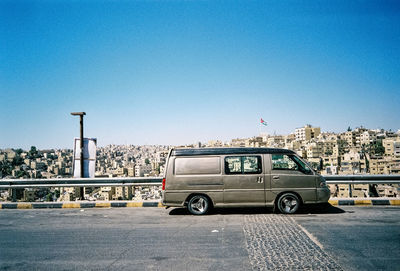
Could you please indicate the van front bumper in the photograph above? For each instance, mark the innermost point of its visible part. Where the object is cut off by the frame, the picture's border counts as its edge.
(323, 194)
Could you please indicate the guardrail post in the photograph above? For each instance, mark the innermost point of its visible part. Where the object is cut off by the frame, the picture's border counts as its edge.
(13, 195)
(350, 192)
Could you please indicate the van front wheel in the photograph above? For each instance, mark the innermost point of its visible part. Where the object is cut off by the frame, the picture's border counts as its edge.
(288, 203)
(198, 205)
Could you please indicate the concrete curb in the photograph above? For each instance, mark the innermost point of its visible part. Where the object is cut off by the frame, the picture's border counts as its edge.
(77, 205)
(364, 202)
(118, 204)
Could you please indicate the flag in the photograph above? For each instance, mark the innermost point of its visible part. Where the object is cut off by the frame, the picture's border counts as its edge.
(263, 122)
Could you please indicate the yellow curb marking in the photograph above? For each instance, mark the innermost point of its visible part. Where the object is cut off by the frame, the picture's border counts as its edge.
(103, 204)
(333, 202)
(363, 202)
(24, 206)
(160, 205)
(134, 204)
(71, 205)
(394, 202)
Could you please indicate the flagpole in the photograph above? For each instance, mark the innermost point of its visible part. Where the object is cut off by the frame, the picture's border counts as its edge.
(264, 123)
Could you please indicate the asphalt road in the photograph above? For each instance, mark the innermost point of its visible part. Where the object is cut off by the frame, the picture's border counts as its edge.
(345, 238)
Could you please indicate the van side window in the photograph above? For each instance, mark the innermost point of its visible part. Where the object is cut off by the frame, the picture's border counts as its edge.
(233, 165)
(243, 165)
(283, 161)
(289, 162)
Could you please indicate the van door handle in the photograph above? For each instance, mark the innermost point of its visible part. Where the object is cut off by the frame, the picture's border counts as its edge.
(260, 180)
(275, 177)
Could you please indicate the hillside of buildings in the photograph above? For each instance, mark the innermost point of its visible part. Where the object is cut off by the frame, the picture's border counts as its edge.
(355, 151)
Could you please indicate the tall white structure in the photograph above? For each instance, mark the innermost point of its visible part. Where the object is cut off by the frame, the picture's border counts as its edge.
(307, 132)
(89, 157)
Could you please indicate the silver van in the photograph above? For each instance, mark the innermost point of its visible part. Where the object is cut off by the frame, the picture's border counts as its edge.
(238, 177)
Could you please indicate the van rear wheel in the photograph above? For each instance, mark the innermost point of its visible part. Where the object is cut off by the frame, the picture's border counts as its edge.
(288, 203)
(198, 205)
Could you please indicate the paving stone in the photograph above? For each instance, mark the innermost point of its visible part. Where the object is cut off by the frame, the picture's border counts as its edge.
(277, 242)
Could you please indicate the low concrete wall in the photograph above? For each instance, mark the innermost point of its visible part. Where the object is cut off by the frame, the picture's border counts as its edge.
(364, 201)
(74, 204)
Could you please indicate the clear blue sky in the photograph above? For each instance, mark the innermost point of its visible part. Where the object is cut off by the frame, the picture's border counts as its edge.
(177, 72)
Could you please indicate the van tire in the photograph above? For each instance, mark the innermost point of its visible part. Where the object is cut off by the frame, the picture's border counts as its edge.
(198, 205)
(288, 203)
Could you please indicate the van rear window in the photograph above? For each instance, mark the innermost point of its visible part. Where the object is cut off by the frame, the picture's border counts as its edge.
(197, 165)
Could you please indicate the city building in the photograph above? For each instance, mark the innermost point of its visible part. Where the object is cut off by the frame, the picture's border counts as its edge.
(307, 132)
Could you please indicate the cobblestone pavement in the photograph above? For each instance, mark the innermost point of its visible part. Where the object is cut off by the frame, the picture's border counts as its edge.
(277, 242)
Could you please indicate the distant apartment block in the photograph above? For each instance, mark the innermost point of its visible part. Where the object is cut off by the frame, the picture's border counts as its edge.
(307, 132)
(392, 147)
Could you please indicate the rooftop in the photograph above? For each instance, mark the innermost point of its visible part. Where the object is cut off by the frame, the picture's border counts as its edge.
(215, 151)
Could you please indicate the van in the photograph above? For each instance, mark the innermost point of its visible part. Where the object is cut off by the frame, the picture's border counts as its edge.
(202, 178)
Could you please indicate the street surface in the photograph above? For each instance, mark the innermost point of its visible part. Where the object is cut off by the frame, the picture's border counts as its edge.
(345, 238)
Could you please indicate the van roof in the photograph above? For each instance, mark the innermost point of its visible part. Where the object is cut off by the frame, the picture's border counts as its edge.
(217, 151)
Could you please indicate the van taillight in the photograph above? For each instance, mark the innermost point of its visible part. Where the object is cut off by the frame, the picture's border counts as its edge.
(163, 184)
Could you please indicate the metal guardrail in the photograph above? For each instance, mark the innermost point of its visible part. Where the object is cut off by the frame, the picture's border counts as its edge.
(138, 181)
(79, 182)
(156, 181)
(362, 179)
(351, 180)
